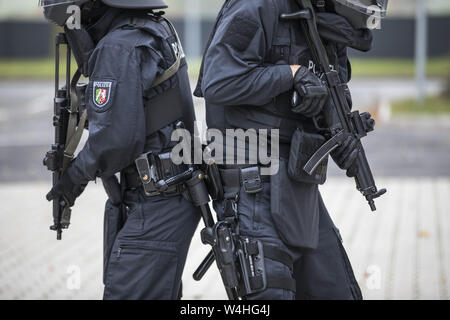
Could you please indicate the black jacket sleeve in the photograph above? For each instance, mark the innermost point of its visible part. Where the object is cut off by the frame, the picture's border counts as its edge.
(115, 113)
(235, 72)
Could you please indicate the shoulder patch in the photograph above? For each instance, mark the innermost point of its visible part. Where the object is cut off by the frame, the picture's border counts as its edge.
(240, 33)
(101, 93)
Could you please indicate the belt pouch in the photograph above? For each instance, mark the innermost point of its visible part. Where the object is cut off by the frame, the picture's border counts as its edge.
(303, 146)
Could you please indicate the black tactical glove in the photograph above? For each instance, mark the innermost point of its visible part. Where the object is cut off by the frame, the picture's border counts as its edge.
(345, 155)
(312, 91)
(66, 189)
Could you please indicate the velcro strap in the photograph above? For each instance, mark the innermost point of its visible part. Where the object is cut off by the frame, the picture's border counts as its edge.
(281, 283)
(274, 253)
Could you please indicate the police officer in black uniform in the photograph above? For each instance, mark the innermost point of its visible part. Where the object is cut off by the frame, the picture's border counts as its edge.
(253, 63)
(138, 94)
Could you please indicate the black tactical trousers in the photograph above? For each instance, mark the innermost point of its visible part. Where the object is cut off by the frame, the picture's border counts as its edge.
(321, 273)
(149, 252)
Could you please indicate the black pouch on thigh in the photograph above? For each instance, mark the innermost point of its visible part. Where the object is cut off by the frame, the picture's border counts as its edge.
(113, 223)
(295, 209)
(303, 146)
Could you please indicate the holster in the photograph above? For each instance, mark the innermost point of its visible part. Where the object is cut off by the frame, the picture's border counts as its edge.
(114, 219)
(153, 168)
(214, 182)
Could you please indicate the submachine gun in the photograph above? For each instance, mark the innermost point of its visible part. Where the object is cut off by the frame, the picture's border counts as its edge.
(69, 120)
(340, 121)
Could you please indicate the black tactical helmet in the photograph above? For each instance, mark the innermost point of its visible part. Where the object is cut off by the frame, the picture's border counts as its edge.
(56, 10)
(136, 4)
(362, 14)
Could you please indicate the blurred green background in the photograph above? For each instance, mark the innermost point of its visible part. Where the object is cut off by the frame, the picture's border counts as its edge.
(26, 40)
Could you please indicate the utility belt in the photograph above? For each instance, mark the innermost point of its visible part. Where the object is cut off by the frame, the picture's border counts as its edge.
(156, 174)
(297, 153)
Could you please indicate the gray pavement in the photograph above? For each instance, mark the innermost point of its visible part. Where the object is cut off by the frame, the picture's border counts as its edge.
(401, 252)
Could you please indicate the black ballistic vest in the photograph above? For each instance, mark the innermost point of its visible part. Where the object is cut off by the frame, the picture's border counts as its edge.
(289, 47)
(171, 100)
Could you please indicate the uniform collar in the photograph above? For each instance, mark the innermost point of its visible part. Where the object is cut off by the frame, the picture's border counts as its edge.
(100, 28)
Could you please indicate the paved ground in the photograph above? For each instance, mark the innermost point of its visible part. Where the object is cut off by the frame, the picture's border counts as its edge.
(401, 252)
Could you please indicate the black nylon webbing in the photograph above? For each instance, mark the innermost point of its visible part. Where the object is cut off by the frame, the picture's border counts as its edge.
(273, 253)
(276, 254)
(273, 282)
(281, 283)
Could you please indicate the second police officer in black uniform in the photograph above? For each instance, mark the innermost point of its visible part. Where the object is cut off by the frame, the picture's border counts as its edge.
(137, 95)
(252, 64)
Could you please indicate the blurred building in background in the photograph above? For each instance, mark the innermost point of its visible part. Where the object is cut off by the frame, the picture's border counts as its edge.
(24, 33)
